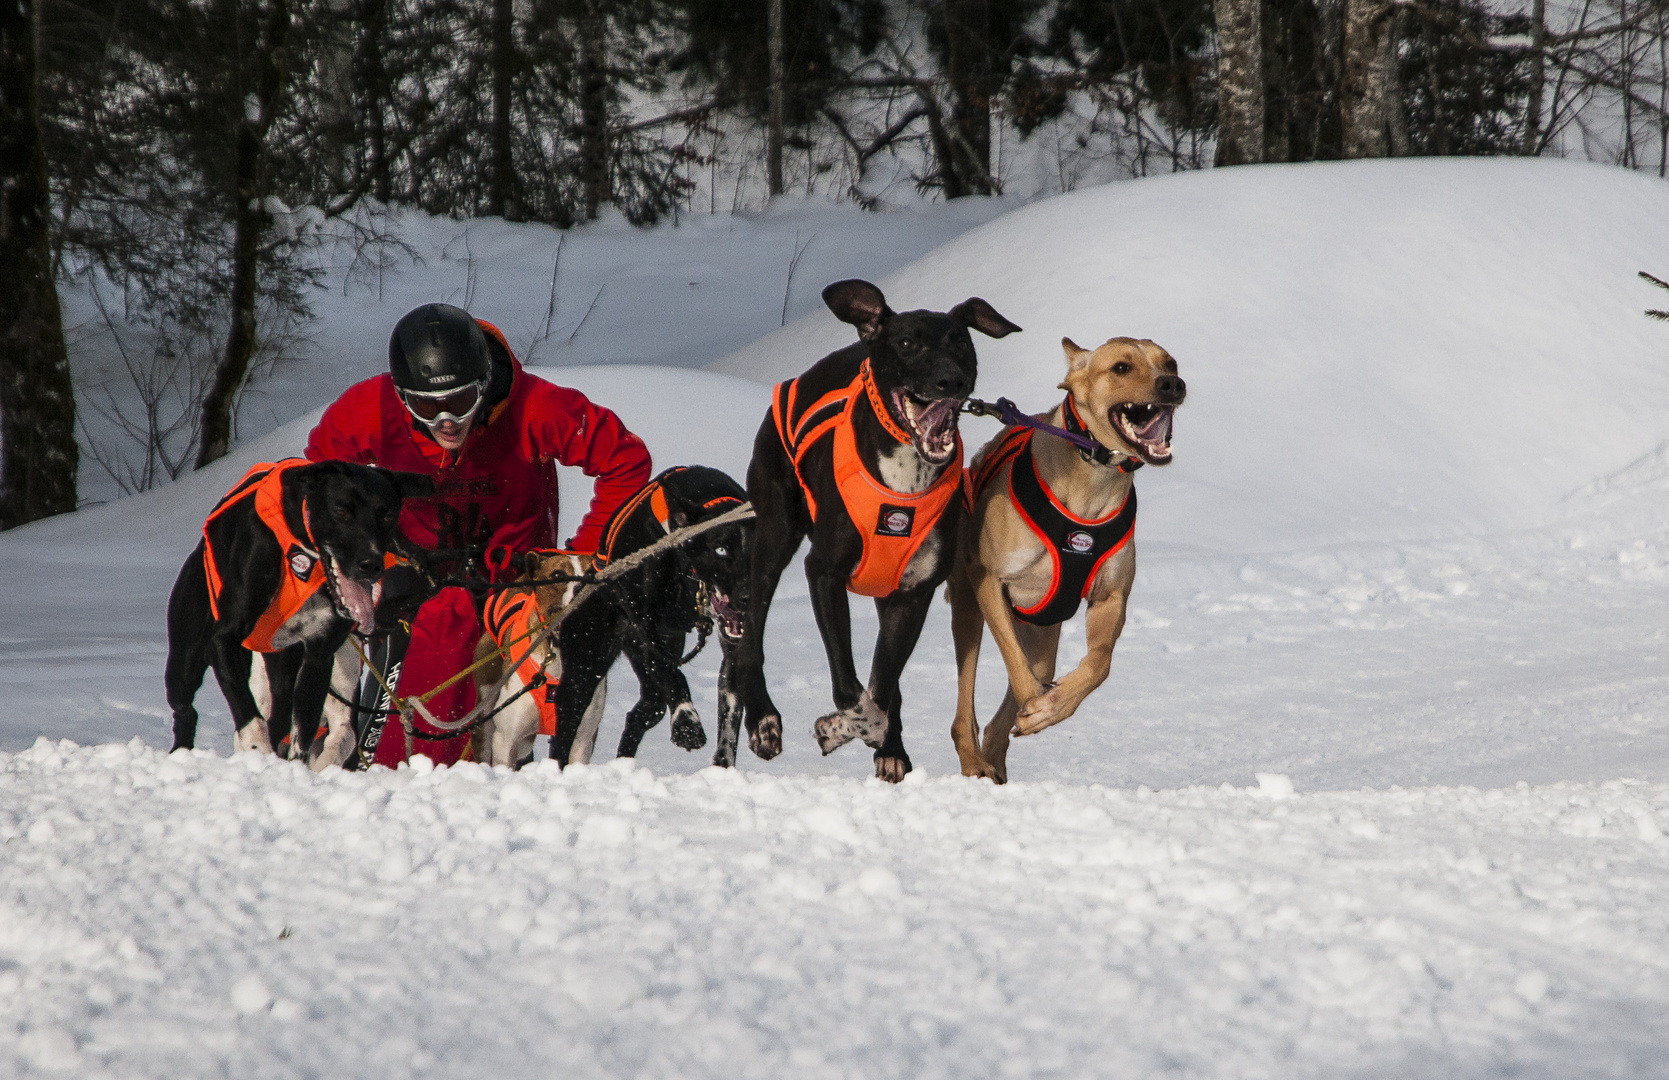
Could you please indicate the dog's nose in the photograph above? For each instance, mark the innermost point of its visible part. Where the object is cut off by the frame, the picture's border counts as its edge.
(368, 567)
(955, 386)
(1170, 388)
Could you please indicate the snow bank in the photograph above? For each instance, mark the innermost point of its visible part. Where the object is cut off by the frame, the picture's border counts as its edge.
(1374, 351)
(612, 922)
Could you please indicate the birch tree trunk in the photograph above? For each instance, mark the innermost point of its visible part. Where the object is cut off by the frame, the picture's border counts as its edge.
(38, 453)
(250, 223)
(1240, 85)
(1363, 79)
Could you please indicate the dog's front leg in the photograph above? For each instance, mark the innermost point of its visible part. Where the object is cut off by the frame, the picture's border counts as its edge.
(730, 708)
(902, 615)
(993, 604)
(1103, 624)
(312, 683)
(231, 663)
(855, 716)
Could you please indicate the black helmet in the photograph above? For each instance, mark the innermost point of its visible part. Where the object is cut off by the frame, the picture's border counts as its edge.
(437, 347)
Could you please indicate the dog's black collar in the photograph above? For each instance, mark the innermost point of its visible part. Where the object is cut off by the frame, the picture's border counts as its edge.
(1101, 455)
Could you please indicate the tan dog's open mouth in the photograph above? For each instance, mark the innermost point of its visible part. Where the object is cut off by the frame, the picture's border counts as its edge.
(1146, 426)
(931, 424)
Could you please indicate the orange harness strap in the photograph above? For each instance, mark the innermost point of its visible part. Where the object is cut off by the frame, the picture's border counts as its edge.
(893, 524)
(304, 572)
(510, 616)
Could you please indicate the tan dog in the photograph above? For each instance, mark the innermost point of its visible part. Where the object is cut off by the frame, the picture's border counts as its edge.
(1052, 526)
(507, 737)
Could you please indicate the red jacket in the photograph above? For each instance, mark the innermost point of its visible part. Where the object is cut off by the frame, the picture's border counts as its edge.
(499, 489)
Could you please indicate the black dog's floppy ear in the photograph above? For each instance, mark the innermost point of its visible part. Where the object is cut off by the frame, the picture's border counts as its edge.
(858, 302)
(410, 485)
(976, 314)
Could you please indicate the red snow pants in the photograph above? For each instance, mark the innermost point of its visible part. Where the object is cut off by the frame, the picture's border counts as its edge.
(443, 637)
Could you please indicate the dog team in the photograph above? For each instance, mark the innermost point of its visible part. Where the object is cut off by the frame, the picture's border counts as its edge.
(412, 554)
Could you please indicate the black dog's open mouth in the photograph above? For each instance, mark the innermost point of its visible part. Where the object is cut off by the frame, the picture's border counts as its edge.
(728, 618)
(355, 596)
(1146, 427)
(931, 424)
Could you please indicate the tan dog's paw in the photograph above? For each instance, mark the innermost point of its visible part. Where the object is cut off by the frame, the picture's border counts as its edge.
(976, 766)
(1045, 710)
(765, 740)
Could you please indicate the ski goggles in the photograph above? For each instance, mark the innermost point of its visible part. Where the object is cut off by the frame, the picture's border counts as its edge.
(455, 405)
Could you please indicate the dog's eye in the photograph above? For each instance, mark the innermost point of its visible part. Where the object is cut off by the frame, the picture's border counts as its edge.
(1121, 368)
(343, 513)
(722, 552)
(905, 344)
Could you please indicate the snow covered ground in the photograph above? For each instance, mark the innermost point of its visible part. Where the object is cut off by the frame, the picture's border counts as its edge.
(1411, 565)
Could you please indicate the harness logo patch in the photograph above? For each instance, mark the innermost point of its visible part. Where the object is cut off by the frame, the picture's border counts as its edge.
(895, 520)
(1079, 542)
(301, 563)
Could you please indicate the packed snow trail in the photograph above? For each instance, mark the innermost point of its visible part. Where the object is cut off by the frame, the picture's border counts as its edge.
(190, 915)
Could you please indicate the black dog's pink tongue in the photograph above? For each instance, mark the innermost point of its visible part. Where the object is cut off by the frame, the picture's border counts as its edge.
(356, 598)
(932, 420)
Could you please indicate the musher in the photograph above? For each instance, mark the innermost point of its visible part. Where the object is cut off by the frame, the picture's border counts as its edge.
(457, 406)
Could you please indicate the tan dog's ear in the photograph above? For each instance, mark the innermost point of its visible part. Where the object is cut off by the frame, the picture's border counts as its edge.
(1076, 357)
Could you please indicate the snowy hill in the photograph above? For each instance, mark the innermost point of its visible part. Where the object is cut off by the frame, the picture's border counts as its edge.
(1397, 350)
(1411, 565)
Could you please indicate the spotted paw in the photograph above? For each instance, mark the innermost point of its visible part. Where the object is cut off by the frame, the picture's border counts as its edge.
(835, 730)
(687, 732)
(765, 740)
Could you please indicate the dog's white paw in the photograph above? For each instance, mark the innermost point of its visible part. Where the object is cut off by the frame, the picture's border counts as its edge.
(254, 736)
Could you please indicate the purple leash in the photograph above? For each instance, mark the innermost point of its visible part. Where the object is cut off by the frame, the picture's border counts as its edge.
(1011, 416)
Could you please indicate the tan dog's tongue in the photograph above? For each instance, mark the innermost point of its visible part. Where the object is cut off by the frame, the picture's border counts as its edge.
(357, 599)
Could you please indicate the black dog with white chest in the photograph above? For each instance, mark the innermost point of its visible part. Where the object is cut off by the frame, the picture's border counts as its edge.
(287, 563)
(862, 454)
(648, 612)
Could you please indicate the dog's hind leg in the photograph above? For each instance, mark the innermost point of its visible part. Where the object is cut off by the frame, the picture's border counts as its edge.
(585, 737)
(773, 489)
(183, 677)
(967, 629)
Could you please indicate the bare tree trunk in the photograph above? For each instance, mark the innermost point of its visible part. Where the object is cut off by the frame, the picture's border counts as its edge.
(1531, 145)
(373, 81)
(38, 453)
(779, 90)
(968, 71)
(500, 201)
(1362, 104)
(593, 79)
(1240, 86)
(1278, 89)
(250, 223)
(1396, 115)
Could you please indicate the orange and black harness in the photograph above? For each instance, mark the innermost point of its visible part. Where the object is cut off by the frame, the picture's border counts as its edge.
(513, 618)
(651, 500)
(304, 565)
(893, 524)
(1078, 547)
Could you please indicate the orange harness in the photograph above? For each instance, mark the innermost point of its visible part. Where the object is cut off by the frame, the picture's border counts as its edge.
(893, 524)
(304, 569)
(513, 618)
